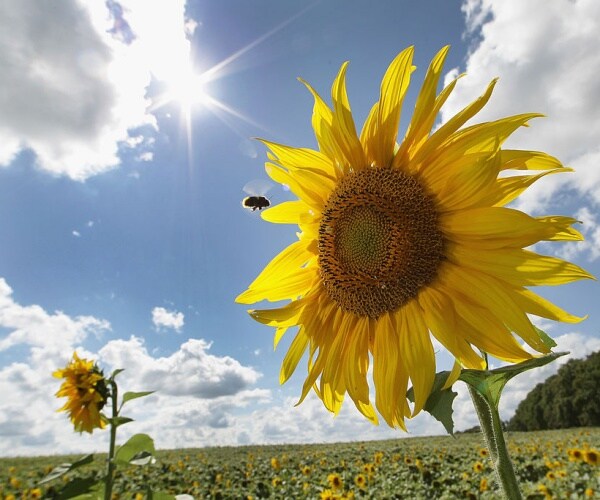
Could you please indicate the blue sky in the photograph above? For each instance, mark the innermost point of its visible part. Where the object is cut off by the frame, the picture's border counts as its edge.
(122, 231)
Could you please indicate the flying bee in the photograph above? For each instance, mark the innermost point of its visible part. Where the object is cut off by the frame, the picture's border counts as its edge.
(255, 202)
(257, 190)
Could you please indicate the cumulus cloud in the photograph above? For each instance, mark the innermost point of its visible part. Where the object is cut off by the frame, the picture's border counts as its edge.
(51, 334)
(546, 55)
(74, 77)
(198, 398)
(162, 318)
(190, 371)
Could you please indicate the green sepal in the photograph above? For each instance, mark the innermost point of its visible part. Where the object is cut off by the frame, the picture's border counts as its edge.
(138, 450)
(439, 402)
(128, 396)
(118, 421)
(489, 383)
(66, 467)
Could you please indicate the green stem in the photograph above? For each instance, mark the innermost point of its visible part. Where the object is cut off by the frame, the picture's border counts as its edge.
(110, 472)
(491, 428)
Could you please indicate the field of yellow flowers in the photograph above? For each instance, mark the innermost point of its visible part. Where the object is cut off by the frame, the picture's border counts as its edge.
(549, 464)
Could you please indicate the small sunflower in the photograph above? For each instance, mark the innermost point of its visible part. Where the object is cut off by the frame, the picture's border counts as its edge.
(591, 457)
(400, 239)
(87, 393)
(360, 481)
(335, 481)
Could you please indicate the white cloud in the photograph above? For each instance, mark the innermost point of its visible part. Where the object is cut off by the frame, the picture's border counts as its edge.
(198, 394)
(162, 318)
(49, 335)
(546, 55)
(190, 371)
(201, 399)
(73, 79)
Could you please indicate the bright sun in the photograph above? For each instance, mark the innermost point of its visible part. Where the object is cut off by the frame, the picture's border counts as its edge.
(186, 88)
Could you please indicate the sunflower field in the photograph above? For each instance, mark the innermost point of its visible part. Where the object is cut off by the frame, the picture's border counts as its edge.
(549, 464)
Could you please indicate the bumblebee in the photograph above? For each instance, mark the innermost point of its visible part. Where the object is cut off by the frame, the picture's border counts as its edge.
(255, 202)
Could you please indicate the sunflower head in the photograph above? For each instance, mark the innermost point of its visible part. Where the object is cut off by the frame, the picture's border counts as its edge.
(87, 391)
(404, 238)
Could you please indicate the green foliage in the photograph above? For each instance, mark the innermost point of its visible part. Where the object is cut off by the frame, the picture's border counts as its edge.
(138, 450)
(439, 467)
(439, 402)
(128, 396)
(67, 467)
(567, 399)
(489, 383)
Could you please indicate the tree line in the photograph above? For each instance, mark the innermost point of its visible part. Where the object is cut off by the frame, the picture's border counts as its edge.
(571, 398)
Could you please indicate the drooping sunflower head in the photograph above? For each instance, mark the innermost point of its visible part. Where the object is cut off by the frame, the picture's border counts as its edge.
(401, 239)
(87, 393)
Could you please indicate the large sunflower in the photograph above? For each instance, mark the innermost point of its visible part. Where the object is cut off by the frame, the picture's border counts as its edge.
(402, 240)
(87, 392)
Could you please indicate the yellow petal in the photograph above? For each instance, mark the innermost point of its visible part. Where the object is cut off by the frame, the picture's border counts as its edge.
(315, 199)
(344, 128)
(509, 188)
(282, 317)
(357, 368)
(534, 304)
(381, 129)
(517, 266)
(322, 122)
(441, 318)
(560, 228)
(481, 138)
(497, 227)
(478, 326)
(287, 262)
(302, 158)
(468, 186)
(417, 351)
(333, 385)
(452, 125)
(389, 373)
(288, 212)
(452, 376)
(293, 356)
(291, 286)
(528, 160)
(498, 298)
(426, 109)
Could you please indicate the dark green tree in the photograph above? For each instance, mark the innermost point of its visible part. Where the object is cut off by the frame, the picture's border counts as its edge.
(567, 399)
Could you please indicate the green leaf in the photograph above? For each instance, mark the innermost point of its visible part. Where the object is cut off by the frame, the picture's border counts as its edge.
(66, 467)
(158, 495)
(546, 339)
(439, 402)
(489, 383)
(87, 488)
(117, 421)
(116, 372)
(136, 450)
(128, 396)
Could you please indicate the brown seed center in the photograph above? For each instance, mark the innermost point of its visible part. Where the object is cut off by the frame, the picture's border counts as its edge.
(379, 241)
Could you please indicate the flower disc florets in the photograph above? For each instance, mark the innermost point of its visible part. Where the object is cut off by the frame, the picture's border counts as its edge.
(379, 241)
